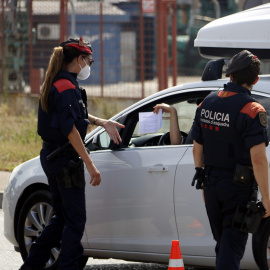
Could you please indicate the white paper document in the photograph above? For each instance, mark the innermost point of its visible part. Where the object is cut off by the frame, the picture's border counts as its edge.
(150, 122)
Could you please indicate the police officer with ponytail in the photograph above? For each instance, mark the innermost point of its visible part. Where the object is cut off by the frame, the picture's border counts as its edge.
(230, 139)
(62, 124)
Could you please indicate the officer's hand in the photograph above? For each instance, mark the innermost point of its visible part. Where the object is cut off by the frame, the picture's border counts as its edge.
(94, 175)
(199, 177)
(111, 128)
(266, 205)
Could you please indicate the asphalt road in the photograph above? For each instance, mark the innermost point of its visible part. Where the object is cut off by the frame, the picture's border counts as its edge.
(11, 260)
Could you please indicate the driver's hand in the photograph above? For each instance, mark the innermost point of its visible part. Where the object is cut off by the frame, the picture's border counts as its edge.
(164, 107)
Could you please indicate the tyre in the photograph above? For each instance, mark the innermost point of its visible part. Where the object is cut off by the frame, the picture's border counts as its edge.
(35, 215)
(261, 245)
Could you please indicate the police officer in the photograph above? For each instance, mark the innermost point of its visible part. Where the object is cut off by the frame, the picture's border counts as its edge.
(230, 129)
(62, 121)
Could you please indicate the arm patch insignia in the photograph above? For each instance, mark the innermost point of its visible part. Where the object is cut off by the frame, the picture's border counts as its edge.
(263, 119)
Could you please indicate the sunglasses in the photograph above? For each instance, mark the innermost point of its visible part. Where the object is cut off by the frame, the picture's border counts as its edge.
(90, 61)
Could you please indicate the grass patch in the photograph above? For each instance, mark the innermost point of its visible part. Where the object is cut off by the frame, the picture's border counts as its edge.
(19, 140)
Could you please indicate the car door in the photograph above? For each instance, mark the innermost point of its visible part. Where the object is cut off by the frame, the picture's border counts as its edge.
(134, 207)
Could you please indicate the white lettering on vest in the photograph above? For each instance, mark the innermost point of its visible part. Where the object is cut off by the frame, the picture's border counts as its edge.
(217, 118)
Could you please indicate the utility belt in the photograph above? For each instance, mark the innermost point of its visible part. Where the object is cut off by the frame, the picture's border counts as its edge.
(242, 175)
(72, 175)
(59, 150)
(247, 217)
(49, 146)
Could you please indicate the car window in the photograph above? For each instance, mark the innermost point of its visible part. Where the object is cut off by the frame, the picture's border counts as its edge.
(265, 101)
(185, 111)
(185, 103)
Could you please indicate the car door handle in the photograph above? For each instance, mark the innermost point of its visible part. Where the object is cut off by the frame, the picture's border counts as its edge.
(158, 169)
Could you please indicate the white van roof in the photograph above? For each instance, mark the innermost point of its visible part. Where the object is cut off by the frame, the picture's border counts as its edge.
(224, 37)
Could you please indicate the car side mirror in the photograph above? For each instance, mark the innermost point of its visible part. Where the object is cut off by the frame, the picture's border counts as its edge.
(103, 141)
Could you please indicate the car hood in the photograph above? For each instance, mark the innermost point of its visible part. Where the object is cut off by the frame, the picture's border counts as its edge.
(248, 29)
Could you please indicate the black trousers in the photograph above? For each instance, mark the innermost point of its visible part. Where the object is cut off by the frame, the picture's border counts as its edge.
(221, 199)
(66, 225)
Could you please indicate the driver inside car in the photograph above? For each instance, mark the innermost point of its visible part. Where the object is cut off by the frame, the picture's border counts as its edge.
(175, 134)
(176, 137)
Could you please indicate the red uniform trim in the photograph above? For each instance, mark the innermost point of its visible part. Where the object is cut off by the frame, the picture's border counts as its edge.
(63, 85)
(224, 94)
(252, 109)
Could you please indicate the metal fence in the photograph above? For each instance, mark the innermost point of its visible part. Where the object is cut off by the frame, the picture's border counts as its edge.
(125, 37)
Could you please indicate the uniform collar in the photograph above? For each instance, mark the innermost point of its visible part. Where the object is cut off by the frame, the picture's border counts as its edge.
(236, 88)
(63, 74)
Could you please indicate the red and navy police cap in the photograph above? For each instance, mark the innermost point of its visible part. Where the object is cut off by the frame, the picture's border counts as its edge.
(79, 44)
(240, 61)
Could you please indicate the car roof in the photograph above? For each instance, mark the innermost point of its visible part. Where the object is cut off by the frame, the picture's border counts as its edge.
(262, 86)
(226, 36)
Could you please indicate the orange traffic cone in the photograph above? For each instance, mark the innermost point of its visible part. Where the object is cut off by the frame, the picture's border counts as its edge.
(176, 261)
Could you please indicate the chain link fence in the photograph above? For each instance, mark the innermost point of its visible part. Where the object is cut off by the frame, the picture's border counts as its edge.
(121, 32)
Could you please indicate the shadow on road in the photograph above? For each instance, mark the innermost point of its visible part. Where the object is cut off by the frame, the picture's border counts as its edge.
(131, 266)
(134, 266)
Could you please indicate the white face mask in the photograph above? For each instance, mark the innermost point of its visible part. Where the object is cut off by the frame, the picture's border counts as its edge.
(84, 73)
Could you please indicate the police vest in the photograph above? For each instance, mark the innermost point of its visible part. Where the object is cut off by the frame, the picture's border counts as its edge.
(222, 143)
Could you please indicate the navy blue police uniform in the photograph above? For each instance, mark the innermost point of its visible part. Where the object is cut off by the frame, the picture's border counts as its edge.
(67, 106)
(228, 123)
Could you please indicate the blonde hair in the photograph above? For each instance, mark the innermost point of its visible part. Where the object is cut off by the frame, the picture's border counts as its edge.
(54, 67)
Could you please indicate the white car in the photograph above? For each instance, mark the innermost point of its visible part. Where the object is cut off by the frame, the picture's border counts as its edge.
(145, 199)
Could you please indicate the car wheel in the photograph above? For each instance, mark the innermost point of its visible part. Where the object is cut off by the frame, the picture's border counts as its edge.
(35, 215)
(261, 245)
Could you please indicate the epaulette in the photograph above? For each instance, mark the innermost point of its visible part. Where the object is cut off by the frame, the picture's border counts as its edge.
(63, 84)
(224, 94)
(252, 109)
